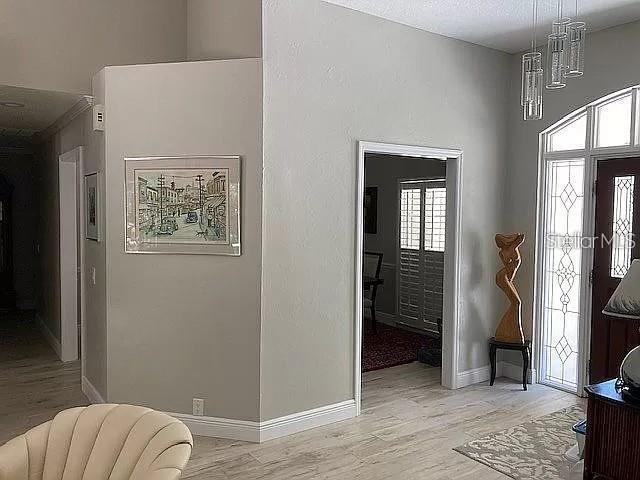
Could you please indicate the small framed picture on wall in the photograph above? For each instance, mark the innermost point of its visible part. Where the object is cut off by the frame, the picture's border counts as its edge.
(92, 206)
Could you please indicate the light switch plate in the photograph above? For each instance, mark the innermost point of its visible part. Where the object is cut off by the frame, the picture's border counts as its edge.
(198, 407)
(98, 118)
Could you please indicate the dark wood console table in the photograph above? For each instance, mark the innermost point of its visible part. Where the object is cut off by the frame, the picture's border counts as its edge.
(612, 449)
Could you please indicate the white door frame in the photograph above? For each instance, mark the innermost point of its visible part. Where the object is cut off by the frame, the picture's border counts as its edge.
(71, 192)
(450, 326)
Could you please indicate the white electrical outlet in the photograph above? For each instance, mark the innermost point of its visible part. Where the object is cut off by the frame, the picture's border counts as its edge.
(198, 407)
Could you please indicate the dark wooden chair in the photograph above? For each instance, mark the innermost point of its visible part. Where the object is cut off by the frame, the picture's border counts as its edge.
(372, 264)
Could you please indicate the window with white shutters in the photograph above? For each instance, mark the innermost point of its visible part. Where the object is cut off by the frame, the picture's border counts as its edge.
(434, 218)
(421, 252)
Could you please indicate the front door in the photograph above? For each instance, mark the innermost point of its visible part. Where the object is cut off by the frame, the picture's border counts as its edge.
(617, 226)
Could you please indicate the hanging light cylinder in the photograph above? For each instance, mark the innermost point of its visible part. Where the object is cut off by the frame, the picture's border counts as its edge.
(532, 75)
(532, 85)
(557, 59)
(576, 33)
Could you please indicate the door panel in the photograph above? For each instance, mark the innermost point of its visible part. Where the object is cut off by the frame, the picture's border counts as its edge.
(617, 223)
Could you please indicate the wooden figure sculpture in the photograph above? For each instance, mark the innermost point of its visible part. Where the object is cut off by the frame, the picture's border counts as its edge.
(510, 328)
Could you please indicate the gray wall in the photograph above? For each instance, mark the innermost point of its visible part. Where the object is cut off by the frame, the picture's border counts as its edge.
(384, 171)
(46, 178)
(18, 168)
(222, 29)
(48, 205)
(59, 45)
(613, 63)
(95, 257)
(184, 326)
(332, 77)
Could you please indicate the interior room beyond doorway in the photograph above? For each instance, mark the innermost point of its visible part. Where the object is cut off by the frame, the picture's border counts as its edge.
(404, 242)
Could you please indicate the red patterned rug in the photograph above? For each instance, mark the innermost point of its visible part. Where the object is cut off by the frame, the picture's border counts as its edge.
(391, 346)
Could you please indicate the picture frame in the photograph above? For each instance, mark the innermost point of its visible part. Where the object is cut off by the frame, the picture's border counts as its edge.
(183, 205)
(92, 206)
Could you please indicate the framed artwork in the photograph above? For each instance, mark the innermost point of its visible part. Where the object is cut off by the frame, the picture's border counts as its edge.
(183, 205)
(92, 207)
(371, 210)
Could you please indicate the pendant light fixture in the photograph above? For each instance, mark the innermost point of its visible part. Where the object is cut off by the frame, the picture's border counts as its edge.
(532, 76)
(557, 62)
(576, 33)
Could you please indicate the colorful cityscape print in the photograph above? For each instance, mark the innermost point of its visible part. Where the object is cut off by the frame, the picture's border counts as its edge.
(182, 206)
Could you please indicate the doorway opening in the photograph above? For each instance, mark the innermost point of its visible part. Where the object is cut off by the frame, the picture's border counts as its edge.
(407, 270)
(587, 226)
(40, 230)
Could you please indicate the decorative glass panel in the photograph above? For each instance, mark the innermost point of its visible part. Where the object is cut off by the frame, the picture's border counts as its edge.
(613, 123)
(434, 218)
(562, 272)
(570, 137)
(410, 218)
(622, 226)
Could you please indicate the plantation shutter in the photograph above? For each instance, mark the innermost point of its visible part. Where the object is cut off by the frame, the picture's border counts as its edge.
(421, 253)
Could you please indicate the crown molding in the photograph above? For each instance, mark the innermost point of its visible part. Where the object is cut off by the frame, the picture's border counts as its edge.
(84, 104)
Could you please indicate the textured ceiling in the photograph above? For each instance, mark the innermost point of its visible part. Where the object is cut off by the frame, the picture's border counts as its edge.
(41, 109)
(501, 24)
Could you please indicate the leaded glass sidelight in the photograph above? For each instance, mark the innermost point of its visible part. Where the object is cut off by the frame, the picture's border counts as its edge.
(562, 272)
(622, 225)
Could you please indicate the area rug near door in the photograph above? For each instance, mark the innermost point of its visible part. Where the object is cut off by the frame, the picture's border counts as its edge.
(531, 451)
(390, 346)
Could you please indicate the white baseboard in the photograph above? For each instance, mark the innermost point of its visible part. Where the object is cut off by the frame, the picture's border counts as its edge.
(49, 337)
(251, 431)
(514, 372)
(476, 375)
(91, 392)
(242, 430)
(483, 374)
(298, 422)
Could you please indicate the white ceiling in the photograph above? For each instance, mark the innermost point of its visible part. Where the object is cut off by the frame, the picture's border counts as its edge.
(501, 24)
(41, 109)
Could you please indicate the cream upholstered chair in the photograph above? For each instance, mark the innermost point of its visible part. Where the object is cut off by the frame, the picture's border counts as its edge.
(100, 442)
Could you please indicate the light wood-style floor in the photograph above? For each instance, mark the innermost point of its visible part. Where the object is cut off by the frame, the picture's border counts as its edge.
(34, 384)
(407, 430)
